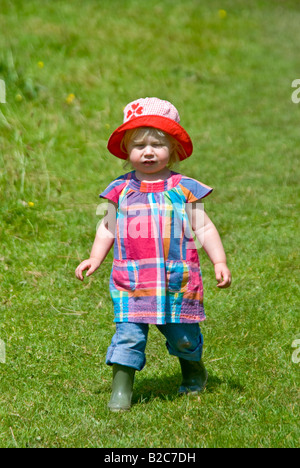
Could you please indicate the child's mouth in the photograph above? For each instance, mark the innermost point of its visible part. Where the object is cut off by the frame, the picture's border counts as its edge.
(149, 163)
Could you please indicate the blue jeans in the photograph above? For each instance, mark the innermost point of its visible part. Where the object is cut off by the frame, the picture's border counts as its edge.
(128, 345)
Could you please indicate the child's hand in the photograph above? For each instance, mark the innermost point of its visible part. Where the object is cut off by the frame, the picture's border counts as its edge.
(223, 275)
(92, 264)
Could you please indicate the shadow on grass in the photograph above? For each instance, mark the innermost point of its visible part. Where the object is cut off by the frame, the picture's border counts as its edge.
(215, 382)
(166, 388)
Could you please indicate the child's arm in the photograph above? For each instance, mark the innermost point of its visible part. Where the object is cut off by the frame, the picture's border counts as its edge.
(210, 240)
(104, 240)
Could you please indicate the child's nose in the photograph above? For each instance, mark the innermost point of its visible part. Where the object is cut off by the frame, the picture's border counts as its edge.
(148, 150)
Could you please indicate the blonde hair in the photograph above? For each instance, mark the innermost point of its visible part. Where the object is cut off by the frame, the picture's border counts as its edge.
(138, 134)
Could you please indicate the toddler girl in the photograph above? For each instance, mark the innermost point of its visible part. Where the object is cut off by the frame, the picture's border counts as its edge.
(156, 277)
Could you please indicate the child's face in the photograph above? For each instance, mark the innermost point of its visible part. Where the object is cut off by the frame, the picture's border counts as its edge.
(150, 153)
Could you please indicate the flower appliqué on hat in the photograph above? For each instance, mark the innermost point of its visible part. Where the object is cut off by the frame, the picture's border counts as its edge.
(136, 110)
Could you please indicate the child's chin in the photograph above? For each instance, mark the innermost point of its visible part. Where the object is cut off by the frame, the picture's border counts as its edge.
(149, 168)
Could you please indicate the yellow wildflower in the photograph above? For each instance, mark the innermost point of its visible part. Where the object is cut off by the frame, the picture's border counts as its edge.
(222, 14)
(41, 64)
(31, 204)
(70, 98)
(18, 97)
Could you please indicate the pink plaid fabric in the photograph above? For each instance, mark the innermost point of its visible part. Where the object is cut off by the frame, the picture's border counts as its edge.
(156, 275)
(150, 106)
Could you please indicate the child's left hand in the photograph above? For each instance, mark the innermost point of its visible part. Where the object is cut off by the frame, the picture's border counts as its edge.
(223, 275)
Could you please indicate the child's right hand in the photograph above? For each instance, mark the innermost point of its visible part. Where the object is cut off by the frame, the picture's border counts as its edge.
(92, 264)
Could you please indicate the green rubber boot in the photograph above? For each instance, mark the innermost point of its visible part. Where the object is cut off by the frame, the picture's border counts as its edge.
(122, 387)
(194, 376)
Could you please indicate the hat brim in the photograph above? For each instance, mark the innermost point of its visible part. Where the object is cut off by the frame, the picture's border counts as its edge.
(162, 123)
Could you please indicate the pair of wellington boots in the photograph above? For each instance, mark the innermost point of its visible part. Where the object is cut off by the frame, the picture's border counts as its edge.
(194, 378)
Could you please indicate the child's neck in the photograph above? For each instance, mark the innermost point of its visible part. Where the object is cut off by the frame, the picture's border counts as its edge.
(156, 177)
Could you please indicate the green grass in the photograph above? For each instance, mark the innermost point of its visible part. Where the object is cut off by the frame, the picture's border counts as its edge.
(231, 80)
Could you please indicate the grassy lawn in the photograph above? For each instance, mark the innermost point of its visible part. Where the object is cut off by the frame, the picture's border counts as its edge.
(69, 68)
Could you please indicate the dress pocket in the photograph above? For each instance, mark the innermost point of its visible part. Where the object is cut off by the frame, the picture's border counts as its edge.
(177, 275)
(125, 274)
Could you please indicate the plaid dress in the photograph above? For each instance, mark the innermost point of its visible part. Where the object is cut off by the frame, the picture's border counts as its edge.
(156, 275)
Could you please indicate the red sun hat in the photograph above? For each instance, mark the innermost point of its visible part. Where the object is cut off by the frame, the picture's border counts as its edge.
(150, 112)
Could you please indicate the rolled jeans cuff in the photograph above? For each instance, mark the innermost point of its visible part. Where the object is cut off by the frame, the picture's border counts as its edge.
(129, 358)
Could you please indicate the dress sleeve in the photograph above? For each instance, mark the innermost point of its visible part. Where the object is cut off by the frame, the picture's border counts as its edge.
(194, 190)
(112, 192)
